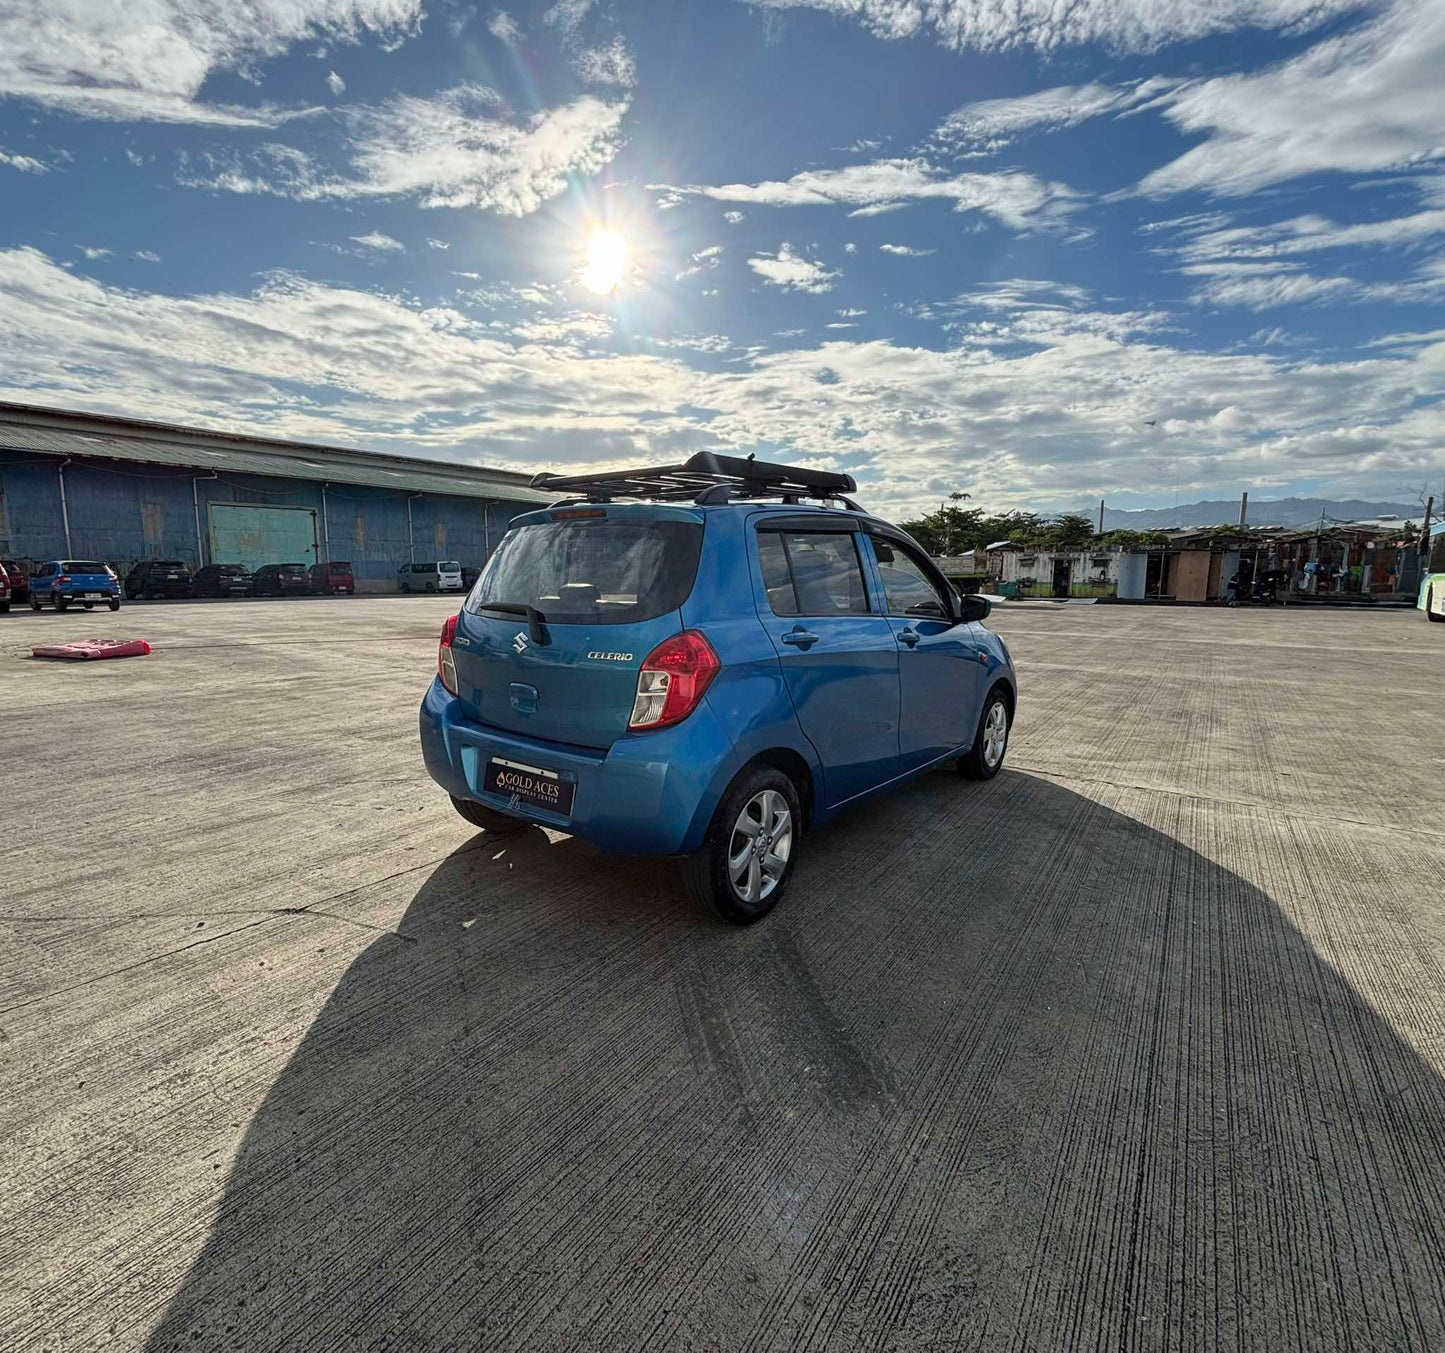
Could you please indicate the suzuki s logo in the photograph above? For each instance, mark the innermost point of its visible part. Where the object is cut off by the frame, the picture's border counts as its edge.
(611, 657)
(520, 642)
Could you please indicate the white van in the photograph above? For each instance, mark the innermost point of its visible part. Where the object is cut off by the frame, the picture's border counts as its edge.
(439, 575)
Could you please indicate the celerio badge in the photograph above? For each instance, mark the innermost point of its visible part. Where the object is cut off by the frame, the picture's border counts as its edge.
(611, 657)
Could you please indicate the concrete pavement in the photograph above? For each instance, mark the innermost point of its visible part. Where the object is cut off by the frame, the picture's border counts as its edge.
(1139, 1044)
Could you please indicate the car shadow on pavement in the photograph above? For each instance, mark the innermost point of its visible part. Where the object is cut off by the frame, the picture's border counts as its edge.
(1011, 1068)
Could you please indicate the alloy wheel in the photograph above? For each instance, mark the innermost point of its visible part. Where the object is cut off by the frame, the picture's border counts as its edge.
(995, 734)
(760, 846)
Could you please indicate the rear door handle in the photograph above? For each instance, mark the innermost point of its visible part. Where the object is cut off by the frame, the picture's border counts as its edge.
(909, 636)
(800, 638)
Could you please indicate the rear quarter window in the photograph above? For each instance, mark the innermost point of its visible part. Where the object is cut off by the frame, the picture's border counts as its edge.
(603, 570)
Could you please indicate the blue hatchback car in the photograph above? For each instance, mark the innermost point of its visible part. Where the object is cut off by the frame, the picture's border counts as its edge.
(703, 660)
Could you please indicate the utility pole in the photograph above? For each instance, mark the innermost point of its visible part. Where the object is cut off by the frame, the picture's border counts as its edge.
(1101, 516)
(1425, 530)
(1244, 507)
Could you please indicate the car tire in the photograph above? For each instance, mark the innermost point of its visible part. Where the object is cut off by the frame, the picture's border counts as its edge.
(431, 587)
(1429, 602)
(114, 603)
(61, 604)
(489, 819)
(990, 742)
(750, 811)
(34, 603)
(4, 608)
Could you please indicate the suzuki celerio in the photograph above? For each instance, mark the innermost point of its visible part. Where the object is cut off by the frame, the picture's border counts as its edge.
(705, 660)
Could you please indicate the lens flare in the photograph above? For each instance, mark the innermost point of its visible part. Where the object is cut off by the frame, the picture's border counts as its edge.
(606, 261)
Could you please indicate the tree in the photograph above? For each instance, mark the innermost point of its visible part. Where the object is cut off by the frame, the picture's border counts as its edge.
(952, 530)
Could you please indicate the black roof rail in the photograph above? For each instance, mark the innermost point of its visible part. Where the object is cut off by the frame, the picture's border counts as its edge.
(706, 478)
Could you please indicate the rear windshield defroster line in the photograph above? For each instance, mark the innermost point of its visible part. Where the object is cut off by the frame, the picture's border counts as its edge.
(593, 571)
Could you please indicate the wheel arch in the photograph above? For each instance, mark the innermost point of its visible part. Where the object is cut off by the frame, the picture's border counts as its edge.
(795, 767)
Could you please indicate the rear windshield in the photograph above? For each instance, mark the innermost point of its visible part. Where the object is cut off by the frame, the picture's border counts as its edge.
(82, 566)
(233, 568)
(162, 563)
(293, 569)
(341, 568)
(603, 570)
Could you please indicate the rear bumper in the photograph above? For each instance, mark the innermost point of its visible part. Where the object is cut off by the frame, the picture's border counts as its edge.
(648, 794)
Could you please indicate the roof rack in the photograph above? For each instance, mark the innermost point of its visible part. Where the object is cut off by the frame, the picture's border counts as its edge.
(706, 478)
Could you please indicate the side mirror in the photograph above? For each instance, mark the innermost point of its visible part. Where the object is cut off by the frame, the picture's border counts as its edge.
(975, 607)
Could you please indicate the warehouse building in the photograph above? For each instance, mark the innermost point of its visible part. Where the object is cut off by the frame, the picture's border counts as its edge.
(90, 486)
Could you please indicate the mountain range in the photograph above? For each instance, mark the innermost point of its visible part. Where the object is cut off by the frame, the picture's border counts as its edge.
(1262, 512)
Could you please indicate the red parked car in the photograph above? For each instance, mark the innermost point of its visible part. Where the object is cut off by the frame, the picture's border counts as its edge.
(330, 578)
(14, 575)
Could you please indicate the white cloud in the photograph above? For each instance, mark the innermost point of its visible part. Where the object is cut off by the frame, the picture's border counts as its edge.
(134, 157)
(147, 256)
(839, 324)
(878, 209)
(438, 244)
(26, 164)
(991, 124)
(336, 84)
(1360, 102)
(792, 272)
(450, 150)
(1014, 198)
(93, 253)
(1259, 267)
(379, 243)
(850, 248)
(609, 65)
(991, 25)
(850, 313)
(148, 60)
(702, 260)
(567, 15)
(1042, 395)
(504, 28)
(733, 217)
(906, 251)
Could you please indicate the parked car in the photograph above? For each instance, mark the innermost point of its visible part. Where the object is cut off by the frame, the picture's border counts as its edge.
(19, 584)
(709, 672)
(221, 580)
(443, 575)
(469, 577)
(83, 581)
(331, 578)
(158, 578)
(4, 592)
(281, 580)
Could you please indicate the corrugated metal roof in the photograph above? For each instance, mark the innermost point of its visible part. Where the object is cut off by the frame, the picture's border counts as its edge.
(58, 434)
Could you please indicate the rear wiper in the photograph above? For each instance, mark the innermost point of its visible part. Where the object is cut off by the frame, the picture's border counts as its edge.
(535, 618)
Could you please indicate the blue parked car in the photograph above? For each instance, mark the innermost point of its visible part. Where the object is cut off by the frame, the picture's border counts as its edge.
(85, 582)
(737, 654)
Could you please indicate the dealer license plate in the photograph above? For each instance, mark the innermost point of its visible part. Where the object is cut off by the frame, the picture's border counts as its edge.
(529, 785)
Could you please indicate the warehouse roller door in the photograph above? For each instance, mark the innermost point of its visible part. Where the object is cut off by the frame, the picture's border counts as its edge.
(242, 533)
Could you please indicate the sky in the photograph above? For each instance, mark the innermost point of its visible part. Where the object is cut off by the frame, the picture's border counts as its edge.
(1039, 253)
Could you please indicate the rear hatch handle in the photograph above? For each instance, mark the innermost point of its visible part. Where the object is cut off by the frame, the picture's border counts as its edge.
(535, 619)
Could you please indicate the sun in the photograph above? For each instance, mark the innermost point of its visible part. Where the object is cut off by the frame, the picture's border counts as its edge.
(606, 261)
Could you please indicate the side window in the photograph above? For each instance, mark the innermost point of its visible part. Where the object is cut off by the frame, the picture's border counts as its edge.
(421, 568)
(777, 577)
(812, 573)
(908, 589)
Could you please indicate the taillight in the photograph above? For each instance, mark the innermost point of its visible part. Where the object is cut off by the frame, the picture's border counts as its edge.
(64, 578)
(672, 680)
(446, 664)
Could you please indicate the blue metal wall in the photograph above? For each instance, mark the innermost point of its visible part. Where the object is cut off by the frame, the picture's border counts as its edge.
(121, 512)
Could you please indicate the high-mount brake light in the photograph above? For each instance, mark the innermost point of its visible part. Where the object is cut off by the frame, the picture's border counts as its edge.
(446, 663)
(572, 513)
(672, 680)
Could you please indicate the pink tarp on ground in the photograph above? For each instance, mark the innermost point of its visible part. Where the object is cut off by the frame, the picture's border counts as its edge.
(93, 648)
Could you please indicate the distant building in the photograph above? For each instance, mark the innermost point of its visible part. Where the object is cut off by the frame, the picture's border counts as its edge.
(122, 490)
